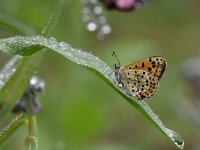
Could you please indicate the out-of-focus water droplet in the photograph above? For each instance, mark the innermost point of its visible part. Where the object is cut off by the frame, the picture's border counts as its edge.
(14, 69)
(97, 10)
(106, 29)
(95, 21)
(102, 20)
(93, 1)
(86, 10)
(8, 70)
(86, 18)
(91, 26)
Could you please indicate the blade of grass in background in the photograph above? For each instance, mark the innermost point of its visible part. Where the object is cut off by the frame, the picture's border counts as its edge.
(15, 76)
(17, 73)
(12, 73)
(29, 45)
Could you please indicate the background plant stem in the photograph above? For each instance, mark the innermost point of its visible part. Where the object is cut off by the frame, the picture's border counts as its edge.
(12, 127)
(31, 141)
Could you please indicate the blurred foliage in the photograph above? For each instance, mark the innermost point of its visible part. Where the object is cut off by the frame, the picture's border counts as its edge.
(82, 112)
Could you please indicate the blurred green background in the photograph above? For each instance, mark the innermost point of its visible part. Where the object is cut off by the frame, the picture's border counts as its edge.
(81, 111)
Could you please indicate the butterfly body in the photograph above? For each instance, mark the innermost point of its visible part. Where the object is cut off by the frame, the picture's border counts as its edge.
(140, 78)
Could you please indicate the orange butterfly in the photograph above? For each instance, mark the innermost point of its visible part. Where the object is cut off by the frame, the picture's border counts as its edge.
(140, 78)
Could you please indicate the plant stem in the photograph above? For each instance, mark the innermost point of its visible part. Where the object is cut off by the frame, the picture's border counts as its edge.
(12, 127)
(31, 141)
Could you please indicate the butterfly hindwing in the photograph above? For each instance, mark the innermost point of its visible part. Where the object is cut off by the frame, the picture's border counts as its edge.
(139, 85)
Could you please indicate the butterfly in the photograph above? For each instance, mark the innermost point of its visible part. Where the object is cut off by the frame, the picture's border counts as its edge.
(140, 78)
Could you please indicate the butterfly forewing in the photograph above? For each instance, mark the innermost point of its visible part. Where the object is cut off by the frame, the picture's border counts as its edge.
(155, 65)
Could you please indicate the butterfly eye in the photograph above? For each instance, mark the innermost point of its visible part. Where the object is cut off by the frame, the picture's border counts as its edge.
(116, 66)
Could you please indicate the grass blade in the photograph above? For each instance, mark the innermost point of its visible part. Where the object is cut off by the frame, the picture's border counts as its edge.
(12, 127)
(29, 45)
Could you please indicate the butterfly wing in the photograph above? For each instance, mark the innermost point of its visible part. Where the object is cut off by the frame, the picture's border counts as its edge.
(138, 85)
(140, 78)
(154, 65)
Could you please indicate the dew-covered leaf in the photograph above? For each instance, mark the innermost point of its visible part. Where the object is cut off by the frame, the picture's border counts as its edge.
(29, 45)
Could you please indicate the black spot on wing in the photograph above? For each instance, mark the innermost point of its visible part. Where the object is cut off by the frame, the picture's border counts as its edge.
(142, 96)
(149, 69)
(142, 65)
(150, 59)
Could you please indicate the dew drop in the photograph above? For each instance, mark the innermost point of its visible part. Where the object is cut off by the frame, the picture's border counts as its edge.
(66, 49)
(178, 140)
(63, 45)
(97, 10)
(86, 18)
(52, 43)
(52, 40)
(120, 85)
(13, 69)
(86, 10)
(106, 29)
(93, 1)
(91, 26)
(102, 19)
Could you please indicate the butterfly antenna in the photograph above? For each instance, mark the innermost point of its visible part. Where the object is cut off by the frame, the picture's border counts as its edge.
(113, 54)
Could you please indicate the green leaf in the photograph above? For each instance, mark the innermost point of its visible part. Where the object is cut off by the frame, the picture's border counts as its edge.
(29, 45)
(17, 73)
